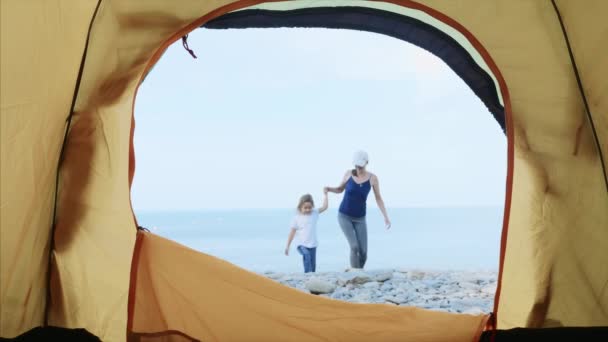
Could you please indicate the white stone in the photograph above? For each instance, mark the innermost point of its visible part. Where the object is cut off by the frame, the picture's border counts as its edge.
(371, 285)
(399, 275)
(469, 286)
(362, 297)
(416, 275)
(319, 286)
(382, 277)
(453, 291)
(489, 289)
(360, 279)
(395, 299)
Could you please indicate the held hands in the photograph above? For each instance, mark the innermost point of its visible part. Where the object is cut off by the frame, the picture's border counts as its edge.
(325, 190)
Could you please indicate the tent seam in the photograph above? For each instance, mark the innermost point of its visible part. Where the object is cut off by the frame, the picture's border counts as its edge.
(60, 161)
(582, 91)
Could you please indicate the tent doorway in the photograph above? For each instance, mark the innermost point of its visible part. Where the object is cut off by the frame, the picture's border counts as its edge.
(420, 123)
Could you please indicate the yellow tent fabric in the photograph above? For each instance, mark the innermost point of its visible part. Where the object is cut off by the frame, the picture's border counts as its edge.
(243, 306)
(554, 271)
(41, 46)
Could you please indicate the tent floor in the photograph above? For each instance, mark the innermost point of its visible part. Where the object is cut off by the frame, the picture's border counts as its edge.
(577, 334)
(54, 334)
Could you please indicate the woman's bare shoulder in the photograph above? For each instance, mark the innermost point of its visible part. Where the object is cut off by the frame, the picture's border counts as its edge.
(345, 177)
(373, 178)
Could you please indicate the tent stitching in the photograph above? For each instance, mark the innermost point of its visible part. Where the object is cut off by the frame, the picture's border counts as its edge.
(582, 91)
(60, 161)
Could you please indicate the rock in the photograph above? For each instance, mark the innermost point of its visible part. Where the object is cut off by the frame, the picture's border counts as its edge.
(382, 277)
(469, 286)
(362, 297)
(489, 289)
(452, 291)
(404, 286)
(341, 293)
(399, 275)
(395, 299)
(433, 284)
(319, 286)
(386, 287)
(358, 280)
(285, 278)
(417, 275)
(371, 285)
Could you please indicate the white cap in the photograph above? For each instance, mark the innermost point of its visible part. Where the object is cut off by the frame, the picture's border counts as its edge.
(360, 158)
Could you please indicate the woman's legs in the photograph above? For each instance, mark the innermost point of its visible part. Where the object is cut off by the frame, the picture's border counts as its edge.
(306, 258)
(360, 226)
(348, 227)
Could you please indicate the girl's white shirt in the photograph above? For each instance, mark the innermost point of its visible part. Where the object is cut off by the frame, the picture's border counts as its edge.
(306, 229)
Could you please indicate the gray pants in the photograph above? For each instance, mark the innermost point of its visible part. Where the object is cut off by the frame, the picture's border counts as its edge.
(355, 230)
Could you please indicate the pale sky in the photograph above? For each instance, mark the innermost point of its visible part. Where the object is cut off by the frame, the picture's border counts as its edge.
(266, 115)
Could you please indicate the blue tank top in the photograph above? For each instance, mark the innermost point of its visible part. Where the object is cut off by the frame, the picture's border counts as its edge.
(355, 196)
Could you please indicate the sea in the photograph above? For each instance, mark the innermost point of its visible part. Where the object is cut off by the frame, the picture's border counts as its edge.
(439, 239)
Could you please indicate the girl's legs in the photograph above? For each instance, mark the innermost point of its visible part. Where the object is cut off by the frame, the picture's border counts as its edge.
(348, 227)
(313, 258)
(360, 225)
(306, 258)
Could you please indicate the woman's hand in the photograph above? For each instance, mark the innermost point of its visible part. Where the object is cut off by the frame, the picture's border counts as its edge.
(287, 251)
(325, 190)
(387, 223)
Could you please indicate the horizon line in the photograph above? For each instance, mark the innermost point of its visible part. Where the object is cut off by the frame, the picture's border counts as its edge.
(289, 208)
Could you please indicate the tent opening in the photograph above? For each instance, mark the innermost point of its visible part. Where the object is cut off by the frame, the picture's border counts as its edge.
(264, 130)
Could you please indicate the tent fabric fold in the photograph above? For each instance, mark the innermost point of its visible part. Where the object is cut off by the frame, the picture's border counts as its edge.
(216, 301)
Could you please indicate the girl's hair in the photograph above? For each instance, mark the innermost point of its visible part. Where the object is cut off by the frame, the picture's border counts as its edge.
(304, 199)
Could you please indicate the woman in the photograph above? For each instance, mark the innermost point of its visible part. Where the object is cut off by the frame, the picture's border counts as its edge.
(356, 185)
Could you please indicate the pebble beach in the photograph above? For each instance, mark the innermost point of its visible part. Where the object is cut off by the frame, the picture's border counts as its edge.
(469, 292)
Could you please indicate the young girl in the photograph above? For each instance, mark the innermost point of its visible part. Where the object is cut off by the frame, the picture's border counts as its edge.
(304, 229)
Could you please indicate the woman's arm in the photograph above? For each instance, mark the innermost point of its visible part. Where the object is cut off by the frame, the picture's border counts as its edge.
(325, 205)
(339, 189)
(292, 233)
(376, 187)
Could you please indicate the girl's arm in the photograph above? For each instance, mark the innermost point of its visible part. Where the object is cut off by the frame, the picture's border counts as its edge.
(339, 189)
(379, 200)
(292, 233)
(325, 205)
